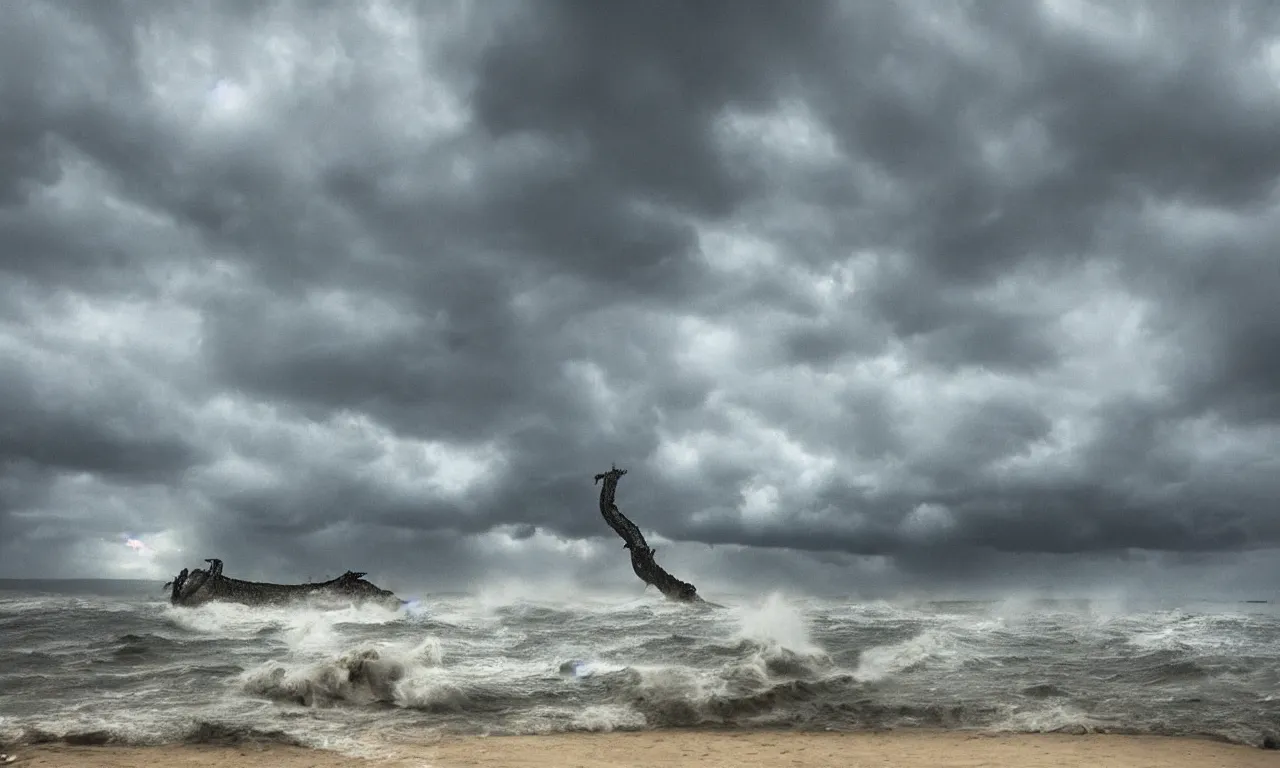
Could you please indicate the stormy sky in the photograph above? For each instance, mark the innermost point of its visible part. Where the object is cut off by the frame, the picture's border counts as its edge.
(865, 296)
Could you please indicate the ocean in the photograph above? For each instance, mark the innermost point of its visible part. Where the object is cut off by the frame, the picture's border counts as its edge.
(109, 662)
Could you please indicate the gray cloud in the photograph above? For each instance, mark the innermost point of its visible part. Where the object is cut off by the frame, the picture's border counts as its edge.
(865, 297)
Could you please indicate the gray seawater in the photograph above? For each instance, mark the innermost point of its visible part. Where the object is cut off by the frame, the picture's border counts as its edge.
(93, 662)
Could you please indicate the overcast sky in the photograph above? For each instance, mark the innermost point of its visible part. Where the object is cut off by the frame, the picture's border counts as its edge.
(866, 296)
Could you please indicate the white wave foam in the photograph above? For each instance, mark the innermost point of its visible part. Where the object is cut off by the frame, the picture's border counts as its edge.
(297, 621)
(458, 685)
(776, 622)
(360, 676)
(410, 676)
(1048, 719)
(590, 668)
(603, 718)
(1177, 631)
(679, 684)
(882, 661)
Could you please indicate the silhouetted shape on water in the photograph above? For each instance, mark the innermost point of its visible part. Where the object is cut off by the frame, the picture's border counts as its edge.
(642, 561)
(203, 586)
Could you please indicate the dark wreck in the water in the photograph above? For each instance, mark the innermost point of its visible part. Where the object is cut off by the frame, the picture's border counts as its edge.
(642, 561)
(209, 585)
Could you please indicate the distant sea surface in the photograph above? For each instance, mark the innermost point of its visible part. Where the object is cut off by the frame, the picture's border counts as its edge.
(98, 662)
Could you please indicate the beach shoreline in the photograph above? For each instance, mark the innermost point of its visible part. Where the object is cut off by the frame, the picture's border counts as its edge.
(704, 748)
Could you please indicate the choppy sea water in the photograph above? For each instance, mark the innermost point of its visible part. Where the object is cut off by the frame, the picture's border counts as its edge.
(87, 664)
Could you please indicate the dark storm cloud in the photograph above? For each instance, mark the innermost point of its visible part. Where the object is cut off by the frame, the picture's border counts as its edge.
(390, 282)
(635, 89)
(81, 442)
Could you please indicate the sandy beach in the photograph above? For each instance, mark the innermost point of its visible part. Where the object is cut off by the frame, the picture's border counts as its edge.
(718, 749)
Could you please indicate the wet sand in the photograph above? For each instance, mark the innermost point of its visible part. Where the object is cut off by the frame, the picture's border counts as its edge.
(706, 749)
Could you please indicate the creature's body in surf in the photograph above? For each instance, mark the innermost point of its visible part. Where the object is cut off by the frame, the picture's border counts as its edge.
(642, 561)
(202, 586)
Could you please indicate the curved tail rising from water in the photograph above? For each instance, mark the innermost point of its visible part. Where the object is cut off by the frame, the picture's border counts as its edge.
(642, 561)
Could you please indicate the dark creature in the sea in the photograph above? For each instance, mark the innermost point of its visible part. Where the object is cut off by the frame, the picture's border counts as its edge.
(209, 585)
(177, 583)
(642, 561)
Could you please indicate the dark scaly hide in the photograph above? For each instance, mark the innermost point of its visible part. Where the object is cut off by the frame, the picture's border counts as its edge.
(208, 585)
(642, 561)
